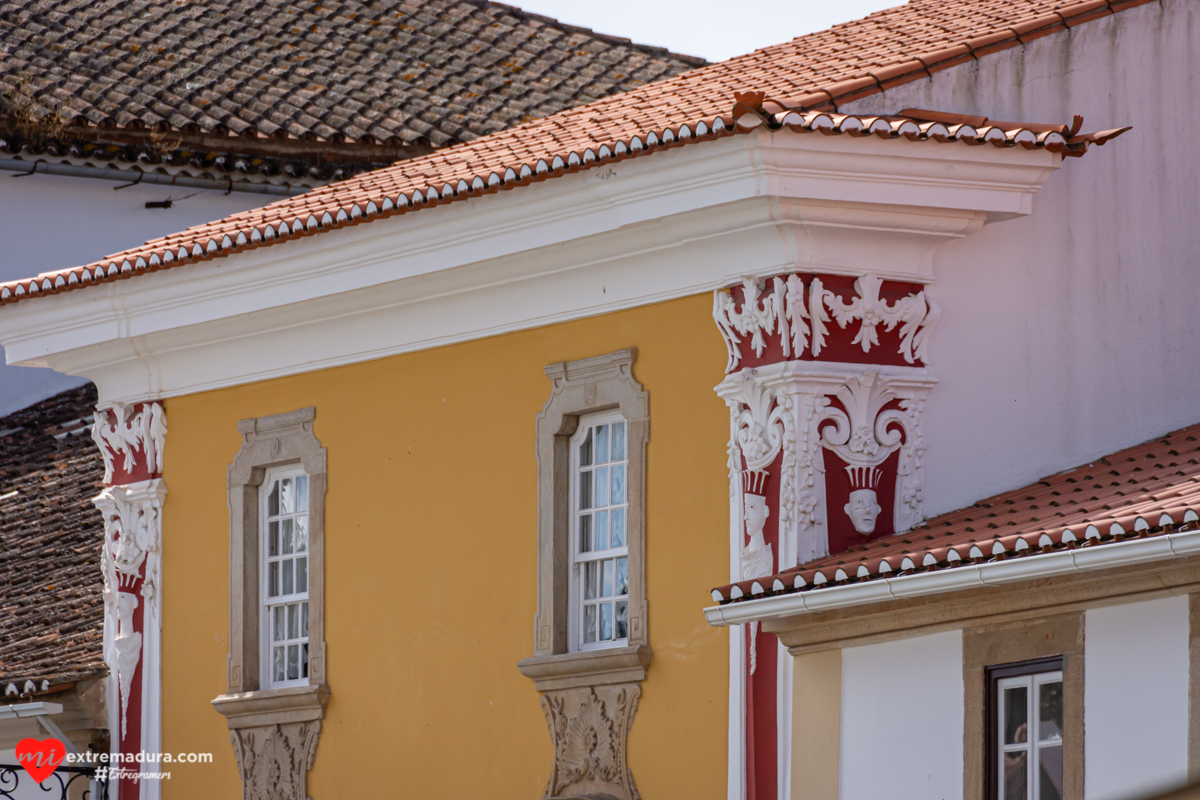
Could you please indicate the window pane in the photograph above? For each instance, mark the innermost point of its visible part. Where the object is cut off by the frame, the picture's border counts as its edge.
(1050, 711)
(622, 577)
(302, 493)
(304, 622)
(618, 527)
(601, 487)
(277, 623)
(277, 666)
(293, 621)
(585, 491)
(286, 566)
(301, 534)
(601, 530)
(1016, 715)
(289, 541)
(273, 500)
(606, 621)
(1013, 779)
(585, 451)
(589, 623)
(622, 621)
(1050, 773)
(304, 661)
(302, 574)
(273, 579)
(585, 533)
(618, 441)
(602, 444)
(618, 484)
(273, 539)
(606, 584)
(293, 665)
(287, 498)
(592, 582)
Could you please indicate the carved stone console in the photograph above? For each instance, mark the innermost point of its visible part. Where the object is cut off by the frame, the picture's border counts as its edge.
(589, 726)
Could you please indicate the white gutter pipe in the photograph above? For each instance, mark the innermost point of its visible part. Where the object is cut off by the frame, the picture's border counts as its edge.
(953, 579)
(41, 167)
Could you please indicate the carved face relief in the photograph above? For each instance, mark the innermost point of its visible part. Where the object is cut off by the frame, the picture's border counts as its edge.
(755, 514)
(863, 509)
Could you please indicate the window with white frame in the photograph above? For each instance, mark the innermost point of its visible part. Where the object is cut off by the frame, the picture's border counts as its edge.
(1028, 732)
(599, 528)
(285, 560)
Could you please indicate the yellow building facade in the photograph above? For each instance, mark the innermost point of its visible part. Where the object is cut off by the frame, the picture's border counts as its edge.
(431, 534)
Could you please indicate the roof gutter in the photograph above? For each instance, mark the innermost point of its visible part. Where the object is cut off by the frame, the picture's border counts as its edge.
(42, 167)
(995, 573)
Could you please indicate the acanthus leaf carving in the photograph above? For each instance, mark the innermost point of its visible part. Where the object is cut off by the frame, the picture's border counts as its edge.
(780, 306)
(589, 727)
(123, 431)
(273, 760)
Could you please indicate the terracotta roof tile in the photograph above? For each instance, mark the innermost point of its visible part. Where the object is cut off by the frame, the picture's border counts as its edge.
(802, 82)
(51, 593)
(1143, 491)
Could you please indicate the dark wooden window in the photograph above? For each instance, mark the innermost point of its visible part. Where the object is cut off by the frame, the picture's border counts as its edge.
(1024, 737)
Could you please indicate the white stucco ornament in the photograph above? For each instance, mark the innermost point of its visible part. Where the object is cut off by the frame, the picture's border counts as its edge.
(145, 430)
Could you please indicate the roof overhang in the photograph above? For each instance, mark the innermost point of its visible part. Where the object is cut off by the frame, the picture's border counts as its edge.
(673, 224)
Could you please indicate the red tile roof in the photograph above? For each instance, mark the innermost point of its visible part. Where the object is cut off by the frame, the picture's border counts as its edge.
(1148, 490)
(808, 75)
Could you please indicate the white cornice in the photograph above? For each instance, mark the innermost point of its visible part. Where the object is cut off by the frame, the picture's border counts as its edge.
(670, 225)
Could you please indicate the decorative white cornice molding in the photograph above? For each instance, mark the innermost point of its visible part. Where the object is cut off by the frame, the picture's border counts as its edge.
(646, 234)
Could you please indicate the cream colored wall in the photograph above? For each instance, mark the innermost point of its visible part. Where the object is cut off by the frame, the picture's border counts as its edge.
(430, 575)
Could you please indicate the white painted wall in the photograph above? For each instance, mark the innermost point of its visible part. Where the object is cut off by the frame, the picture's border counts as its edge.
(1071, 333)
(51, 222)
(902, 720)
(1135, 699)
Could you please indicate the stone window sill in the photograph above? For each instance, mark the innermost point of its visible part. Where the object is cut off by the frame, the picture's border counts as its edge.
(273, 706)
(587, 668)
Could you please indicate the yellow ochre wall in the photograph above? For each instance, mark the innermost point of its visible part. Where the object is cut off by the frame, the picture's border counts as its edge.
(431, 533)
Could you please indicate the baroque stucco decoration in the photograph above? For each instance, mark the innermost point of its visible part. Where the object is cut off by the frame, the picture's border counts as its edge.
(589, 727)
(273, 760)
(125, 431)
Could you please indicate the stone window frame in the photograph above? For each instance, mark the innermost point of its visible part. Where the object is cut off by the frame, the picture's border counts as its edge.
(578, 388)
(278, 440)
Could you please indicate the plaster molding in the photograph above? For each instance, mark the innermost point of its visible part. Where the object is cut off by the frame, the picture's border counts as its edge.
(125, 430)
(274, 760)
(590, 729)
(274, 732)
(777, 306)
(131, 562)
(773, 201)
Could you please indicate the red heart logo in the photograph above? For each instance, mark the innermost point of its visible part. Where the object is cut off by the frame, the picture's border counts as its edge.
(40, 758)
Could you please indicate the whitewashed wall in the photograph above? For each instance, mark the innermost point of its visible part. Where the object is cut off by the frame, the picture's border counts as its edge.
(1071, 333)
(902, 720)
(1135, 699)
(52, 222)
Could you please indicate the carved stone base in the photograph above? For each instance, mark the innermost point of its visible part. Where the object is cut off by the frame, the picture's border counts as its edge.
(274, 760)
(589, 727)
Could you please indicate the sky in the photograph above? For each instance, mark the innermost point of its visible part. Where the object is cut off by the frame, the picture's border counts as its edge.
(713, 29)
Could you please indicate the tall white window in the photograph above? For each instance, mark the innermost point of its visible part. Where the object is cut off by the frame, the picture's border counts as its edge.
(600, 548)
(1030, 737)
(285, 559)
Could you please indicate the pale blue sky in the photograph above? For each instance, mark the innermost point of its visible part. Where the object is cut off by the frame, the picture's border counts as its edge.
(713, 29)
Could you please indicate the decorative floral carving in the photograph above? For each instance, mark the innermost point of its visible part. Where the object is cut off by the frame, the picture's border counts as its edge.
(782, 308)
(274, 760)
(864, 434)
(760, 425)
(909, 499)
(590, 727)
(121, 431)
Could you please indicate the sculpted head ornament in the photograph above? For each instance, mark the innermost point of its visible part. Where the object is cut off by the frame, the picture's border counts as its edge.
(863, 508)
